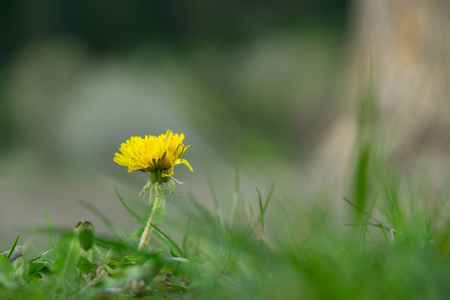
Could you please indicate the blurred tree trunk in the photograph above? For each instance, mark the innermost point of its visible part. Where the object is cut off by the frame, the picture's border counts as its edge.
(405, 46)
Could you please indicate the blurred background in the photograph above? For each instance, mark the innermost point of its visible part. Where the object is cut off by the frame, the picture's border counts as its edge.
(265, 87)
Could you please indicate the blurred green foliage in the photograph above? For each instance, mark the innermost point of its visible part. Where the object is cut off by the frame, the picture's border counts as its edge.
(266, 69)
(267, 250)
(108, 26)
(7, 133)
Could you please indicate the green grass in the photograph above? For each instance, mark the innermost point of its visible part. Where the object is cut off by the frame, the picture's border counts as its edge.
(271, 251)
(263, 246)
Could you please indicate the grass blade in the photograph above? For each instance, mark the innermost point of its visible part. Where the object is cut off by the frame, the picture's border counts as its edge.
(13, 247)
(40, 254)
(208, 216)
(269, 196)
(216, 203)
(185, 261)
(249, 213)
(50, 233)
(235, 201)
(186, 235)
(263, 207)
(168, 241)
(130, 211)
(103, 217)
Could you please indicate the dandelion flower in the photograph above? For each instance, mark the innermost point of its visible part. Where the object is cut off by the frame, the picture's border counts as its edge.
(155, 154)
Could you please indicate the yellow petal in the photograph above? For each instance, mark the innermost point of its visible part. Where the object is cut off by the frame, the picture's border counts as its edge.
(183, 161)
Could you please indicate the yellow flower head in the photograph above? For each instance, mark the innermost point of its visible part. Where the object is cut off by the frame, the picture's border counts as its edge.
(155, 154)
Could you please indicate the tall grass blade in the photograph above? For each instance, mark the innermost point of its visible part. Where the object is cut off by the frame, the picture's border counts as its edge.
(361, 178)
(249, 214)
(263, 206)
(130, 211)
(13, 247)
(50, 232)
(216, 203)
(235, 201)
(365, 144)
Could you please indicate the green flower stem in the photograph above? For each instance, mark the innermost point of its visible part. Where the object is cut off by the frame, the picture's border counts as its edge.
(148, 228)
